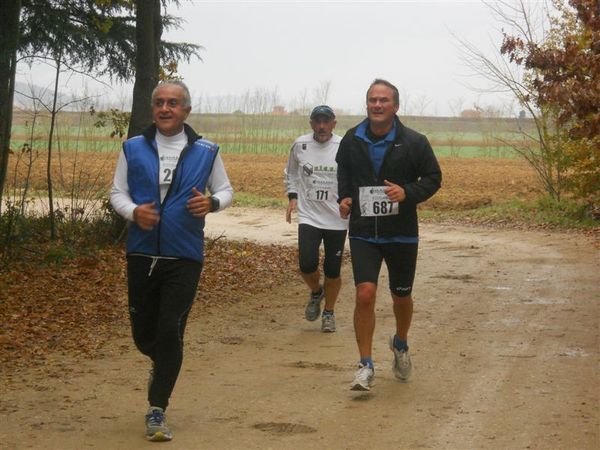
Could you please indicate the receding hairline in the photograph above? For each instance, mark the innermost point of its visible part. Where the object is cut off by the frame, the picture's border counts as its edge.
(382, 82)
(187, 99)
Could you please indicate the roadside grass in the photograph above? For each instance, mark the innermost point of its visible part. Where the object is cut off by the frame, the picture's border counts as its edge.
(541, 212)
(244, 199)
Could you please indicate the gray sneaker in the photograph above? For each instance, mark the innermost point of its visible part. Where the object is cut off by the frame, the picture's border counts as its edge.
(156, 425)
(313, 307)
(402, 365)
(328, 323)
(363, 379)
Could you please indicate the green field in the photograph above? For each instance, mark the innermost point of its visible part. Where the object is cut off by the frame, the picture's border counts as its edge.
(272, 134)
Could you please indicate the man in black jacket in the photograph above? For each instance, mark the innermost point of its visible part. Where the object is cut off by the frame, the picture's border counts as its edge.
(384, 170)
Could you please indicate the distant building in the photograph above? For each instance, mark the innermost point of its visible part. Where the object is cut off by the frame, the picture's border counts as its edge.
(471, 114)
(279, 110)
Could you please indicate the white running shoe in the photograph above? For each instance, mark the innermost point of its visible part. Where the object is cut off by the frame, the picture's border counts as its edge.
(313, 307)
(363, 378)
(328, 323)
(402, 365)
(156, 425)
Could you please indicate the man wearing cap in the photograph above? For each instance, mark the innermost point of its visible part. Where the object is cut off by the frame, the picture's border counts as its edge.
(311, 185)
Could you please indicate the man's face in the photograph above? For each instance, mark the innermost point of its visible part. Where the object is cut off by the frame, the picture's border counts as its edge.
(322, 127)
(380, 105)
(168, 111)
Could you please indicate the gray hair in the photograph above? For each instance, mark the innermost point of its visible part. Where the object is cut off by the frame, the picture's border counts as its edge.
(187, 99)
(394, 89)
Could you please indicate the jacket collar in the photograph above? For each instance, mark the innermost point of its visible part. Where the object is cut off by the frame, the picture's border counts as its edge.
(150, 133)
(398, 125)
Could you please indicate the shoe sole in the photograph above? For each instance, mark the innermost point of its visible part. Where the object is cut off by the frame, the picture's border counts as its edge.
(359, 387)
(310, 318)
(159, 436)
(328, 330)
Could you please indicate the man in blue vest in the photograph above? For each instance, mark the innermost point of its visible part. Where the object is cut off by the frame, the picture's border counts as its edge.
(160, 186)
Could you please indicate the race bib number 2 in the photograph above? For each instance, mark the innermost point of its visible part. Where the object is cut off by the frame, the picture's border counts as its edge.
(167, 168)
(374, 202)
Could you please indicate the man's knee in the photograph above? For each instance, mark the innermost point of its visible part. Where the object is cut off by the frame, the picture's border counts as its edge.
(365, 295)
(402, 299)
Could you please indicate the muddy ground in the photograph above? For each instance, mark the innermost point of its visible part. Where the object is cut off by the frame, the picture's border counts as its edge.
(504, 342)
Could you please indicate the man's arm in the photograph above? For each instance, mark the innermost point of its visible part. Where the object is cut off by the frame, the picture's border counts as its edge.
(120, 199)
(430, 175)
(291, 182)
(220, 188)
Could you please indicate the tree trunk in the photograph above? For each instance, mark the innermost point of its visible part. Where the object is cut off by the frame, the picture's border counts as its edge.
(9, 39)
(148, 35)
(49, 162)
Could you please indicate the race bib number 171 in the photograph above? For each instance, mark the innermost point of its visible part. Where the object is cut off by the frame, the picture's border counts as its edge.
(374, 202)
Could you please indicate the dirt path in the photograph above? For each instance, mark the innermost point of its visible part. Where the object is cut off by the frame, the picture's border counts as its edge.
(504, 341)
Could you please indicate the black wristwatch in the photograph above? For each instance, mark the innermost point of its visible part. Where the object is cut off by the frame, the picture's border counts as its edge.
(214, 203)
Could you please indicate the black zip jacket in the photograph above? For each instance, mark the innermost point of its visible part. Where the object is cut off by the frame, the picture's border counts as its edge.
(409, 162)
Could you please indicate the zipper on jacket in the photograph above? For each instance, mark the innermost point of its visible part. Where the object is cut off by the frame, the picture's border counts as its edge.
(185, 149)
(365, 147)
(155, 149)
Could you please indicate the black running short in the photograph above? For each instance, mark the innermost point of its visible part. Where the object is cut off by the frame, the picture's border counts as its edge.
(309, 241)
(400, 258)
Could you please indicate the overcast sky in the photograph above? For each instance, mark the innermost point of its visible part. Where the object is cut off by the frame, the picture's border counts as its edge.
(291, 48)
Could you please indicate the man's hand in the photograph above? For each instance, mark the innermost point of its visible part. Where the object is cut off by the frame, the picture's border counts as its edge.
(394, 192)
(345, 207)
(291, 208)
(146, 216)
(199, 204)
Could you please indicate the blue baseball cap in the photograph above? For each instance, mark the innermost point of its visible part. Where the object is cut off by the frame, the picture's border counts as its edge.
(322, 110)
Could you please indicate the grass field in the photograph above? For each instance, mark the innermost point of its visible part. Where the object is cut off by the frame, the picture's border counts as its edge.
(478, 172)
(272, 134)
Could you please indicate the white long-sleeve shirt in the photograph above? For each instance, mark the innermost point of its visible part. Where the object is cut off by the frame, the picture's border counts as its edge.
(169, 149)
(311, 173)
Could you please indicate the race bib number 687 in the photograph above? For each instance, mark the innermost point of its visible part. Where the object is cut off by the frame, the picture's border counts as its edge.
(374, 202)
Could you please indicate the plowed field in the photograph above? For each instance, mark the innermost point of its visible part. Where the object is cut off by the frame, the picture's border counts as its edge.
(467, 182)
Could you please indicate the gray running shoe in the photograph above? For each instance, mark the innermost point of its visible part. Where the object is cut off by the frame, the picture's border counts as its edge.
(328, 323)
(156, 425)
(402, 365)
(363, 379)
(313, 307)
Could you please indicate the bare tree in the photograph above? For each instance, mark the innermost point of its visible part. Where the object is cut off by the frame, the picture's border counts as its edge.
(405, 102)
(541, 148)
(302, 106)
(456, 106)
(422, 102)
(321, 92)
